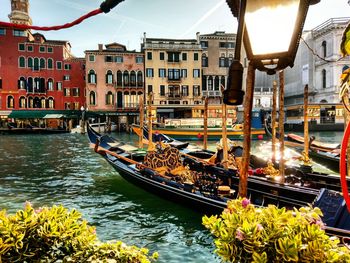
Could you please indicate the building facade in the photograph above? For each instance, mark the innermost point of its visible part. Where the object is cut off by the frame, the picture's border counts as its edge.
(114, 82)
(37, 74)
(173, 75)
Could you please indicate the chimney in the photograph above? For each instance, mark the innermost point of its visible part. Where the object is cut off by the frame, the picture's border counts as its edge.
(100, 47)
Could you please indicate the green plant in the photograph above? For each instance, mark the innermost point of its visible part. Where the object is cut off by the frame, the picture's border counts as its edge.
(51, 234)
(245, 233)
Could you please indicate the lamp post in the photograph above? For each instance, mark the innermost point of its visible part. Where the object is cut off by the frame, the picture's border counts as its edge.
(271, 32)
(82, 125)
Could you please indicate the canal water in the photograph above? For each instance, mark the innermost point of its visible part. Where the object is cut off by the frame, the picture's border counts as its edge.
(62, 169)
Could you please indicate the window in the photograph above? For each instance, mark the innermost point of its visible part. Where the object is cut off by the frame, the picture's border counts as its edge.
(36, 64)
(92, 58)
(22, 102)
(149, 73)
(173, 74)
(58, 65)
(184, 73)
(59, 86)
(108, 59)
(21, 62)
(50, 84)
(173, 56)
(19, 33)
(184, 90)
(119, 78)
(204, 44)
(2, 31)
(149, 55)
(42, 49)
(10, 102)
(92, 98)
(204, 60)
(133, 79)
(149, 89)
(222, 62)
(184, 56)
(222, 44)
(324, 49)
(139, 79)
(109, 98)
(30, 48)
(29, 62)
(0, 83)
(162, 72)
(195, 56)
(49, 50)
(230, 44)
(67, 106)
(118, 59)
(196, 73)
(161, 56)
(67, 66)
(49, 63)
(75, 92)
(42, 63)
(109, 77)
(51, 103)
(21, 47)
(196, 91)
(162, 90)
(66, 92)
(126, 78)
(324, 78)
(66, 77)
(139, 60)
(92, 77)
(22, 83)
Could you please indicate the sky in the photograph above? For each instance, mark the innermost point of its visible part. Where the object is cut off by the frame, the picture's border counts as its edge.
(126, 23)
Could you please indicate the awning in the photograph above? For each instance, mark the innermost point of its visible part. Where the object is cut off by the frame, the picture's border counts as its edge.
(53, 116)
(25, 114)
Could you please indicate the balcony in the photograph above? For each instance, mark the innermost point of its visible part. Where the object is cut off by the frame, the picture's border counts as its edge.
(174, 96)
(211, 93)
(172, 79)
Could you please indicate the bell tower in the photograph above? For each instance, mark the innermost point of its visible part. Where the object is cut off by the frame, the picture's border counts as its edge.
(20, 12)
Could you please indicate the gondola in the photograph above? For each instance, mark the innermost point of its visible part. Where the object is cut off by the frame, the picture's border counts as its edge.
(210, 190)
(297, 175)
(324, 153)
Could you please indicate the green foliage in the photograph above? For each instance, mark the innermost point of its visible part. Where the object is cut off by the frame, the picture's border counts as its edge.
(245, 233)
(52, 234)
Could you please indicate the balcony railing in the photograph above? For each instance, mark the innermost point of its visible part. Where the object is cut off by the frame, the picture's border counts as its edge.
(211, 93)
(174, 96)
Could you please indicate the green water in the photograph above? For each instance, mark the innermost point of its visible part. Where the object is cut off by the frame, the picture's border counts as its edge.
(62, 169)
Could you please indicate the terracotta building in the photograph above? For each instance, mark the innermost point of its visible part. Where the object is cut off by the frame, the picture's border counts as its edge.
(114, 82)
(37, 75)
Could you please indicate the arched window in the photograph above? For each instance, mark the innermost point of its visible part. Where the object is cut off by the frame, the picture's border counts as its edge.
(42, 85)
(22, 83)
(92, 77)
(51, 103)
(43, 103)
(10, 102)
(109, 98)
(30, 84)
(210, 83)
(126, 78)
(324, 78)
(119, 78)
(36, 102)
(50, 84)
(217, 83)
(109, 77)
(36, 84)
(133, 79)
(50, 63)
(30, 102)
(42, 63)
(36, 63)
(22, 102)
(139, 79)
(21, 62)
(222, 61)
(92, 98)
(30, 62)
(222, 82)
(204, 60)
(324, 49)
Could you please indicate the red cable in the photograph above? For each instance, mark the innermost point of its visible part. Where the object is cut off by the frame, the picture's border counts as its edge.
(342, 166)
(48, 28)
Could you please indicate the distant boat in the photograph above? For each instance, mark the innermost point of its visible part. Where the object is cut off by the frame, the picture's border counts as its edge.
(103, 127)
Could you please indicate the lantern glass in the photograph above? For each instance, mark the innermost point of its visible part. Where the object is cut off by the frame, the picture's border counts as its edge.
(270, 24)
